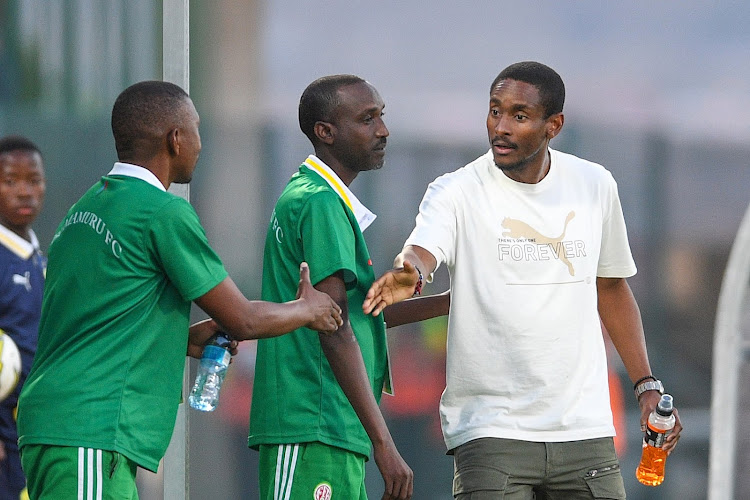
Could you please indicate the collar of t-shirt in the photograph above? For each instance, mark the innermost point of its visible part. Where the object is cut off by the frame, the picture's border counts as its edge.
(130, 170)
(18, 245)
(547, 181)
(363, 215)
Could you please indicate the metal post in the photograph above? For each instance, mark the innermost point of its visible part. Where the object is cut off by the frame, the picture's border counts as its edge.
(176, 69)
(729, 351)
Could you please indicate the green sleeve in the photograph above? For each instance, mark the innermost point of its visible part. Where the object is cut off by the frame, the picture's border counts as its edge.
(328, 239)
(181, 247)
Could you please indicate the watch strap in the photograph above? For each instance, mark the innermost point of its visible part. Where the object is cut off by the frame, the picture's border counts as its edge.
(649, 385)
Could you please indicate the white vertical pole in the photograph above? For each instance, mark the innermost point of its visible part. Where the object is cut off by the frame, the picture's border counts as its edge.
(729, 351)
(176, 69)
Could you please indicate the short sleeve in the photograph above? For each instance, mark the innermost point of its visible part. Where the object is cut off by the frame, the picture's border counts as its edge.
(435, 228)
(328, 240)
(615, 258)
(182, 248)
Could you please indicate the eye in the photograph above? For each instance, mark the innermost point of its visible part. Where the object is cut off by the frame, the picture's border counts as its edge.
(521, 117)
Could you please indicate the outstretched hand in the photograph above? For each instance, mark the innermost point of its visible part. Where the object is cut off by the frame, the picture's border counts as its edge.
(394, 286)
(324, 311)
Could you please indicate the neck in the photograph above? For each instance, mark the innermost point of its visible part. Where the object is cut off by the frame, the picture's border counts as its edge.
(346, 175)
(531, 171)
(157, 165)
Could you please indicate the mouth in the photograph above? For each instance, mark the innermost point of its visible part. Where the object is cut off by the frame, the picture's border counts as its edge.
(502, 147)
(26, 211)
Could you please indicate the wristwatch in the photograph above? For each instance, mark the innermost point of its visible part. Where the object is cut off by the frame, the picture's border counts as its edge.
(649, 385)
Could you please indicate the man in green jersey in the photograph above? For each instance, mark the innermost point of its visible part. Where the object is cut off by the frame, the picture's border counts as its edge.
(315, 407)
(124, 266)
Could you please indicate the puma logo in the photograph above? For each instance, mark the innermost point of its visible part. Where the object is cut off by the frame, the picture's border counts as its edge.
(520, 230)
(24, 280)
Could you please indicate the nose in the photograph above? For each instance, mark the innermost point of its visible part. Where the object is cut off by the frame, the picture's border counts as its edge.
(501, 124)
(382, 130)
(25, 189)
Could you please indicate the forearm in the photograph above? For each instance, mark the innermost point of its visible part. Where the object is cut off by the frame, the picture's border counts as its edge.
(417, 309)
(621, 317)
(343, 354)
(244, 319)
(262, 319)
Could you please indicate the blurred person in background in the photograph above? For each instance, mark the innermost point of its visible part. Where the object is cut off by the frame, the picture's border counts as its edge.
(22, 268)
(124, 266)
(537, 251)
(315, 410)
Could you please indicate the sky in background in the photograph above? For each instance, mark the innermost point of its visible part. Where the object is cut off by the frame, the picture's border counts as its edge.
(679, 65)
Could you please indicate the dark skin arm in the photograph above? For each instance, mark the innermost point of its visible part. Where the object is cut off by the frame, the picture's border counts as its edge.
(246, 319)
(344, 355)
(417, 309)
(621, 317)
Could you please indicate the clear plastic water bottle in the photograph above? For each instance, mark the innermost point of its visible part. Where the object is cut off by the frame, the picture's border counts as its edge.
(660, 423)
(213, 368)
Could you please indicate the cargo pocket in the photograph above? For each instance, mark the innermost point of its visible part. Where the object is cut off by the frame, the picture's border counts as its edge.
(605, 482)
(473, 479)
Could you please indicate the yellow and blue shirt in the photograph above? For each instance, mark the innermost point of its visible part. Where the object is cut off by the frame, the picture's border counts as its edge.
(22, 268)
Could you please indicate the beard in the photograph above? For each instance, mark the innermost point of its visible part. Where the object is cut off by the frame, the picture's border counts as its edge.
(513, 167)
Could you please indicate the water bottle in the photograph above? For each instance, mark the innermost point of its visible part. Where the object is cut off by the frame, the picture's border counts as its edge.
(213, 367)
(660, 423)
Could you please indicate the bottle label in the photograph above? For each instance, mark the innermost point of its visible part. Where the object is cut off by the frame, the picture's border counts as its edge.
(217, 354)
(656, 437)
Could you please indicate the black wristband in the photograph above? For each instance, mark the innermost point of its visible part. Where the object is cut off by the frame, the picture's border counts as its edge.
(635, 386)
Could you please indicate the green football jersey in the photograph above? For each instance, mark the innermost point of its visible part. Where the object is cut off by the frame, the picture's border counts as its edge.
(124, 266)
(296, 397)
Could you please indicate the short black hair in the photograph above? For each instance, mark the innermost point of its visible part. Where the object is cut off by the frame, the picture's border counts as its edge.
(320, 99)
(18, 143)
(142, 111)
(550, 85)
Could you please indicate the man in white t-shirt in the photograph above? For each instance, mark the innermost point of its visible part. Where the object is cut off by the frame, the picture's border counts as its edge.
(537, 250)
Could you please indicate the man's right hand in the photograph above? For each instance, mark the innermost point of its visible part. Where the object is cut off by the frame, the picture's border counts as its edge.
(394, 286)
(324, 312)
(398, 478)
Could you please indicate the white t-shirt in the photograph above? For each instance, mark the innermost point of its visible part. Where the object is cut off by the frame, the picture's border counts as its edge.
(526, 357)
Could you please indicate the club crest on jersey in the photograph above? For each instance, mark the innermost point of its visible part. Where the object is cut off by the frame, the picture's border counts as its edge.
(323, 491)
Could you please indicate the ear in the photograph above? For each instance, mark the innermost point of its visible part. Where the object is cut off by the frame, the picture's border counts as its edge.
(173, 141)
(554, 125)
(325, 132)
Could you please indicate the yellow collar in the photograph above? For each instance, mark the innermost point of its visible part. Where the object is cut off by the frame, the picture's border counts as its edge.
(18, 245)
(363, 215)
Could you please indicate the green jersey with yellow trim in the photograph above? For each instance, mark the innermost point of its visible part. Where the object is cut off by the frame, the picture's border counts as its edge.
(296, 397)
